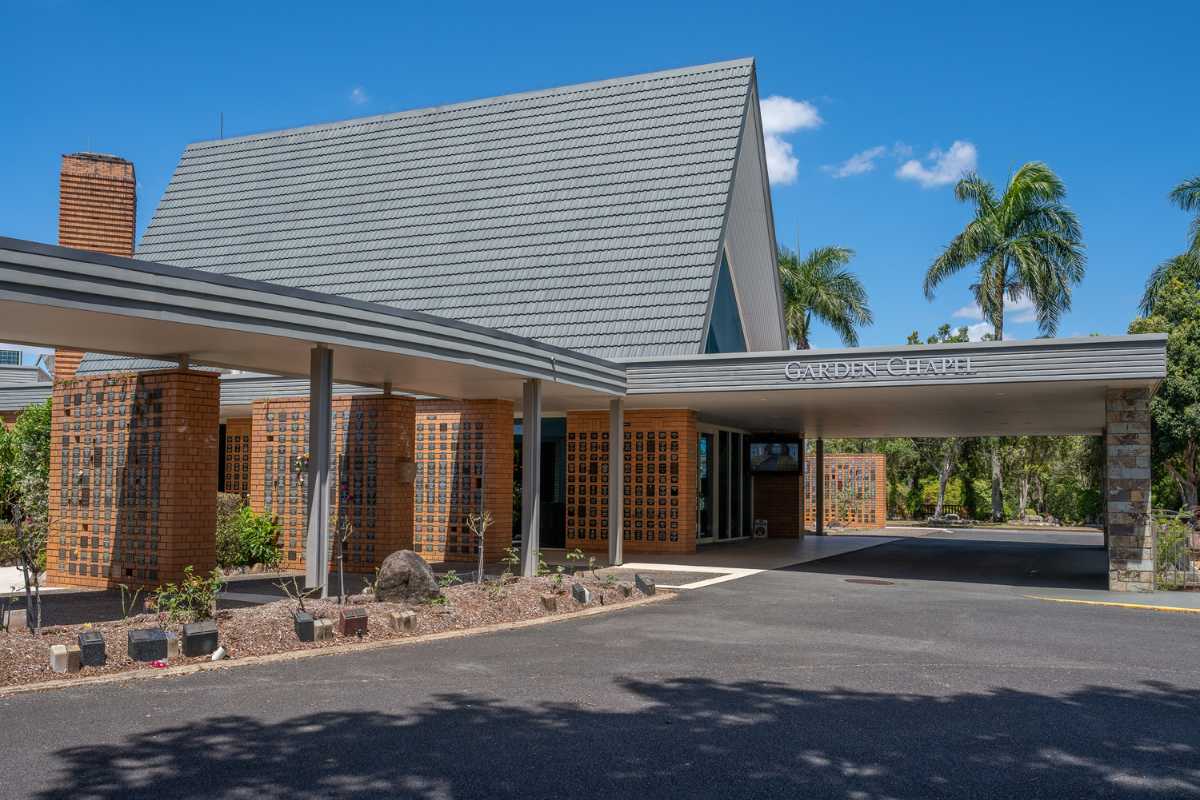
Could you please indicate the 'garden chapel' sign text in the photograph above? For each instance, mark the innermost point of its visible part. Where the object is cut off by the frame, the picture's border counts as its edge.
(873, 368)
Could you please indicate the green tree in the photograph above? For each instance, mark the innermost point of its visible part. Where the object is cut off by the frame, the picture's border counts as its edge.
(819, 285)
(1175, 407)
(1026, 243)
(1186, 265)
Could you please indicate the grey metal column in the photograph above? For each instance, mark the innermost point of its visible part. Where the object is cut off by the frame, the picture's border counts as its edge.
(803, 485)
(531, 473)
(616, 481)
(819, 486)
(320, 434)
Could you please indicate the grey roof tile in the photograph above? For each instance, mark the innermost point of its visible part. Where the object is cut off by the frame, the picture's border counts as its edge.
(585, 216)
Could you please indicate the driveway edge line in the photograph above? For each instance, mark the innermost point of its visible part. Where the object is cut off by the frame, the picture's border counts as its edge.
(339, 649)
(1114, 604)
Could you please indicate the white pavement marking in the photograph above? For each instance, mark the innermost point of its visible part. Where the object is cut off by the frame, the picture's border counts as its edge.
(723, 573)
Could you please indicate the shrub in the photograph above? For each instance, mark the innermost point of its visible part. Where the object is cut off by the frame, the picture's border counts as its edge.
(243, 536)
(194, 599)
(258, 538)
(1171, 553)
(8, 545)
(228, 540)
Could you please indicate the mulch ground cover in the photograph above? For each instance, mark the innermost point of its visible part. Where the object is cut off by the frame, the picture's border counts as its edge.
(266, 629)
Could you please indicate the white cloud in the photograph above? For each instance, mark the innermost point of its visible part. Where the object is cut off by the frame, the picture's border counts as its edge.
(946, 166)
(856, 164)
(782, 115)
(864, 162)
(1015, 311)
(358, 96)
(785, 115)
(977, 331)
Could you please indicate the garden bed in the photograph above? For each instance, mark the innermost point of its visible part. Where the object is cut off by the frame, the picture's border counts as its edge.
(266, 629)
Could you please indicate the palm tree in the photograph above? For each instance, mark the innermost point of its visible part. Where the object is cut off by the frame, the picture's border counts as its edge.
(820, 285)
(1185, 266)
(1026, 242)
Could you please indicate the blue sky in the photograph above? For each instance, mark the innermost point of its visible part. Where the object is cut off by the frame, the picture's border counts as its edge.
(1107, 97)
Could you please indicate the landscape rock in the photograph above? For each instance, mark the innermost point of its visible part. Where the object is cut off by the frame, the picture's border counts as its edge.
(322, 629)
(581, 593)
(403, 621)
(645, 584)
(404, 577)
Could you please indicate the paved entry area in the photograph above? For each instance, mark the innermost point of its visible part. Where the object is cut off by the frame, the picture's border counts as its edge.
(783, 684)
(1072, 560)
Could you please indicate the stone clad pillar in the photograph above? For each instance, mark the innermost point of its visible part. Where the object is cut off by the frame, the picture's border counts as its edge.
(1128, 528)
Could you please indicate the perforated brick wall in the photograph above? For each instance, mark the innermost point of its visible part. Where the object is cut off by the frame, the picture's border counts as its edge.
(371, 478)
(464, 455)
(659, 463)
(133, 478)
(855, 494)
(237, 456)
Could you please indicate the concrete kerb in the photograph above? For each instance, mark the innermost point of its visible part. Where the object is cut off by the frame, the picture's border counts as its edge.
(340, 649)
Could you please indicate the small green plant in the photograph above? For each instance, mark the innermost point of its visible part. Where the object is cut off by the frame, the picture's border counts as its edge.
(576, 555)
(449, 579)
(610, 580)
(291, 587)
(129, 599)
(193, 599)
(440, 600)
(557, 578)
(592, 565)
(479, 523)
(542, 569)
(371, 584)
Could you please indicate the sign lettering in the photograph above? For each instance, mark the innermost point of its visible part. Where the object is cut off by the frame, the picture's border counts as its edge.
(897, 367)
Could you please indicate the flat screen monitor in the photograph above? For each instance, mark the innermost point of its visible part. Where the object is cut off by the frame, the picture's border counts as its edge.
(774, 456)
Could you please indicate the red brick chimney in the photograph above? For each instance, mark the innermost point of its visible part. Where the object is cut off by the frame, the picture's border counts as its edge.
(97, 210)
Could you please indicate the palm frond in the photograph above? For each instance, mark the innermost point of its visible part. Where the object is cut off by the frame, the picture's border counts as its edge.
(1184, 267)
(1187, 194)
(819, 285)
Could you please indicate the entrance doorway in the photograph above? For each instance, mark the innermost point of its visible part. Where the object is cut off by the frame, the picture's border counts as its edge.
(723, 494)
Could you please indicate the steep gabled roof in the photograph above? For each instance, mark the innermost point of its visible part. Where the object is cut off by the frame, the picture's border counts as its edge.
(588, 216)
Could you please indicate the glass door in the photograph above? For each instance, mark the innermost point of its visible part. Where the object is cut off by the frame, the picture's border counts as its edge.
(705, 495)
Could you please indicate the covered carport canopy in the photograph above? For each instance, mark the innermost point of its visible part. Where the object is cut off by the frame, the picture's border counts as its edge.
(58, 297)
(1039, 387)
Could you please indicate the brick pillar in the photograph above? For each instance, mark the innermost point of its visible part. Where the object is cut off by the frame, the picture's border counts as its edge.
(372, 476)
(133, 478)
(97, 210)
(1128, 528)
(464, 455)
(658, 459)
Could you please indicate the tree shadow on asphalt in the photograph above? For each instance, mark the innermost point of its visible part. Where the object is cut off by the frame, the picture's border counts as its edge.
(1028, 564)
(678, 738)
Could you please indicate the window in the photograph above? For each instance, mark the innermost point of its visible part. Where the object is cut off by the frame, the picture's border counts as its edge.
(725, 327)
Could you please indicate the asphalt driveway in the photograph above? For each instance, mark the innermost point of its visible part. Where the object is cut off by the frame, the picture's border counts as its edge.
(784, 684)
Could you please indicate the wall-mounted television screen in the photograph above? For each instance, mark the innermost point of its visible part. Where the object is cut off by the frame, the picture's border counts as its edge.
(774, 456)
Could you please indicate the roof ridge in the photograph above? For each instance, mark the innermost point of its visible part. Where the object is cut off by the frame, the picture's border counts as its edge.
(699, 69)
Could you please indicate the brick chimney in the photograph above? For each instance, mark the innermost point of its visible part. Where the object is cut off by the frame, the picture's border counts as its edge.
(97, 210)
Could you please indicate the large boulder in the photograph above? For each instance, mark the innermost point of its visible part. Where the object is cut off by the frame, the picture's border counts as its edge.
(404, 577)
